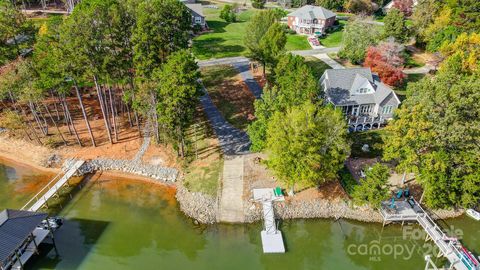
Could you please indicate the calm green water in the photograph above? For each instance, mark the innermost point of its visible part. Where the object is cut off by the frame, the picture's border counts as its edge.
(115, 223)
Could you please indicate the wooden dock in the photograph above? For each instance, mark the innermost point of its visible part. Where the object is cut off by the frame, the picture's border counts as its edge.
(449, 247)
(272, 239)
(40, 199)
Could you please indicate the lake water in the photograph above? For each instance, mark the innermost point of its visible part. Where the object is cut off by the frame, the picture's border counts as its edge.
(117, 223)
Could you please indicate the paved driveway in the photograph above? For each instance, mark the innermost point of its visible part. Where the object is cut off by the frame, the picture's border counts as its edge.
(233, 141)
(247, 76)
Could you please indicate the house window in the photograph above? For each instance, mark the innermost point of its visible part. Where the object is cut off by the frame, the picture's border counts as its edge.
(363, 90)
(387, 109)
(198, 20)
(366, 109)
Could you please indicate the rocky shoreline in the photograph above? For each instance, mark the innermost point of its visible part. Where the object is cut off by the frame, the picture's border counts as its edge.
(320, 208)
(196, 205)
(164, 174)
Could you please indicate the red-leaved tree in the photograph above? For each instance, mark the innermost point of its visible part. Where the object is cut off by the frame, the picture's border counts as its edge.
(389, 72)
(405, 6)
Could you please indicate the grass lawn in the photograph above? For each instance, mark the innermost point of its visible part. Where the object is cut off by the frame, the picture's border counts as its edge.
(297, 42)
(229, 94)
(226, 39)
(374, 140)
(202, 174)
(317, 65)
(334, 39)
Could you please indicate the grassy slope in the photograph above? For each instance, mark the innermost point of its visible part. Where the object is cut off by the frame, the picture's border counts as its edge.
(203, 174)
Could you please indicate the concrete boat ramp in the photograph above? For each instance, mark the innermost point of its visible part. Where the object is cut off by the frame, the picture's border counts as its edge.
(272, 239)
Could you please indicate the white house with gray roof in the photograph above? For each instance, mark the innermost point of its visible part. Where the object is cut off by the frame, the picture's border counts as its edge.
(311, 20)
(364, 99)
(197, 15)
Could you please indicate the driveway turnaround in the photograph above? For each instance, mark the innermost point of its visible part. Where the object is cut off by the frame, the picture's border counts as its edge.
(247, 77)
(233, 141)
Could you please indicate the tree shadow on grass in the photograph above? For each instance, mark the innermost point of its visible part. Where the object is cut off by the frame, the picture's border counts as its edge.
(211, 47)
(217, 26)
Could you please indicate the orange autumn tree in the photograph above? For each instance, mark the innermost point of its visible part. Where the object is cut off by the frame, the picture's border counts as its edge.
(387, 61)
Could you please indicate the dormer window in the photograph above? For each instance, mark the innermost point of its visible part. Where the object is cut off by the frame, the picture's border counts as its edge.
(363, 90)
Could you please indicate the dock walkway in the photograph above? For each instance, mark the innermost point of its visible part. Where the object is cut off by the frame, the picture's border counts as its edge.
(40, 199)
(448, 246)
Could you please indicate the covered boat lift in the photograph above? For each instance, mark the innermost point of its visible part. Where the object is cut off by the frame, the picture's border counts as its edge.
(21, 232)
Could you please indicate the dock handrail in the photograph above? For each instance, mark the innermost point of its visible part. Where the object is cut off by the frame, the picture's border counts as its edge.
(435, 232)
(46, 187)
(52, 184)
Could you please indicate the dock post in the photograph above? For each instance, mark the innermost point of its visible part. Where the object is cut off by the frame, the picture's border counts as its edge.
(34, 243)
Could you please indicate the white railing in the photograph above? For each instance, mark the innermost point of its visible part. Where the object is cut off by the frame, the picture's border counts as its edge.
(310, 25)
(437, 235)
(46, 192)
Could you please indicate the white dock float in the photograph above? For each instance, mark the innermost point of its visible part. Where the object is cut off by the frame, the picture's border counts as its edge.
(272, 239)
(52, 188)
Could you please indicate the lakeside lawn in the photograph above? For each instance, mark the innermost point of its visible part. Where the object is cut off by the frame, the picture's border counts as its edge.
(203, 174)
(226, 39)
(334, 39)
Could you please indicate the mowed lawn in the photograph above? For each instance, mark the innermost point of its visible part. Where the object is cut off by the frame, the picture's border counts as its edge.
(334, 39)
(226, 39)
(297, 43)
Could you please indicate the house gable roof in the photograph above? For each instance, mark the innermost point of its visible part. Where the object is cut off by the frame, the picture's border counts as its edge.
(310, 12)
(197, 8)
(342, 84)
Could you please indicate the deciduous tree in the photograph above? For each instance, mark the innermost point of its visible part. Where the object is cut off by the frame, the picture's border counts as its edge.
(307, 144)
(395, 25)
(294, 84)
(435, 135)
(373, 189)
(228, 13)
(405, 6)
(358, 36)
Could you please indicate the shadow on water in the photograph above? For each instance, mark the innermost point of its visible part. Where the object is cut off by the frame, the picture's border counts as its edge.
(74, 240)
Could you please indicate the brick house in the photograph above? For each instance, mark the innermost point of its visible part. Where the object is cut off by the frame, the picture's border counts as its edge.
(311, 20)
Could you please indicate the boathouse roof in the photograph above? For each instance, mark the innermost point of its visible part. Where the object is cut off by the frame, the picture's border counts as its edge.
(15, 227)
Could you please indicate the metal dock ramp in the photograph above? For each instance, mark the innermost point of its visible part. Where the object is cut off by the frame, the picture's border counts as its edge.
(39, 200)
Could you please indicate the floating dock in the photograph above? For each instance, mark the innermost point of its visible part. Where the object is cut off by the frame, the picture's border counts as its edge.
(272, 239)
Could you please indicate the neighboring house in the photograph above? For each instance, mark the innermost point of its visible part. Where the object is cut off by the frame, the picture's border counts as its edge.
(197, 15)
(364, 99)
(311, 20)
